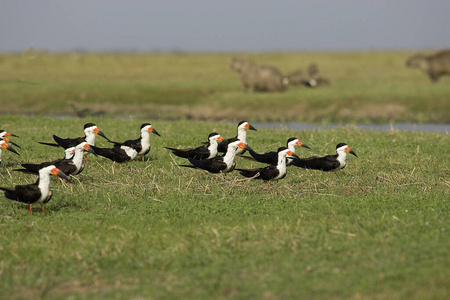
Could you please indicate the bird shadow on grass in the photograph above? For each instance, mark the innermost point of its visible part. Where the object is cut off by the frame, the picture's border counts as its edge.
(67, 205)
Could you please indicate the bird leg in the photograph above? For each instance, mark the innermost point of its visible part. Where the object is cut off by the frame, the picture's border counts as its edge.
(31, 209)
(43, 210)
(143, 159)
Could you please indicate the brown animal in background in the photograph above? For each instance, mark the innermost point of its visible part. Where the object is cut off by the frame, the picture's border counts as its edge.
(435, 65)
(298, 77)
(312, 79)
(261, 78)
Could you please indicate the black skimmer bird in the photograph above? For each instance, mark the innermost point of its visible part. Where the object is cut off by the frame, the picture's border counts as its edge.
(69, 152)
(38, 192)
(271, 158)
(119, 153)
(326, 163)
(202, 152)
(4, 135)
(90, 131)
(242, 128)
(219, 164)
(72, 166)
(274, 171)
(142, 144)
(5, 145)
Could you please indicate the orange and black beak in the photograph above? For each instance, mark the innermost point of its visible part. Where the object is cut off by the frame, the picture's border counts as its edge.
(153, 130)
(9, 141)
(8, 147)
(300, 144)
(89, 149)
(250, 127)
(100, 133)
(292, 154)
(241, 145)
(10, 134)
(220, 139)
(348, 150)
(60, 174)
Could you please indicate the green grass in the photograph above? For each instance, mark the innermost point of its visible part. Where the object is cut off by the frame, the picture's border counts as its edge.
(378, 229)
(367, 87)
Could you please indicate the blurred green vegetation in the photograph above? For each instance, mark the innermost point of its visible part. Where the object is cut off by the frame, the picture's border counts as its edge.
(366, 87)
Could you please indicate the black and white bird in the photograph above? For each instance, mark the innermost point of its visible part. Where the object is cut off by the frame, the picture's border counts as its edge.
(5, 145)
(69, 152)
(273, 171)
(202, 152)
(90, 131)
(271, 158)
(38, 192)
(4, 135)
(242, 128)
(326, 163)
(141, 144)
(118, 153)
(72, 166)
(219, 164)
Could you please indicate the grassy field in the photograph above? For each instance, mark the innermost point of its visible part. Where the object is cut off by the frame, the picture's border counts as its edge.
(366, 87)
(379, 229)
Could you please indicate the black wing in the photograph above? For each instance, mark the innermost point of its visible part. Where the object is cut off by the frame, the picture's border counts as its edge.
(213, 165)
(135, 144)
(65, 165)
(67, 143)
(200, 152)
(270, 158)
(49, 144)
(34, 168)
(249, 172)
(23, 193)
(325, 163)
(115, 154)
(269, 172)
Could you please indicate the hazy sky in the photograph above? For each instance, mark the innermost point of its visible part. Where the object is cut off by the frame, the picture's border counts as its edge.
(226, 25)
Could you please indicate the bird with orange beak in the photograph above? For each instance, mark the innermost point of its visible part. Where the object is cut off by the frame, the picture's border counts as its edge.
(274, 171)
(38, 192)
(242, 128)
(5, 145)
(326, 163)
(219, 164)
(4, 135)
(202, 152)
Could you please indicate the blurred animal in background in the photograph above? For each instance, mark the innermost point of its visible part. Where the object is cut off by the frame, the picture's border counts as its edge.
(260, 78)
(435, 65)
(311, 79)
(85, 112)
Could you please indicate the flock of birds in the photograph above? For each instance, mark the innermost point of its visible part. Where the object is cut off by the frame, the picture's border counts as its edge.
(204, 157)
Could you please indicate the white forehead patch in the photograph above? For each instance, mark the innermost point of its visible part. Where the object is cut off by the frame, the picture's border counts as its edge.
(342, 148)
(243, 125)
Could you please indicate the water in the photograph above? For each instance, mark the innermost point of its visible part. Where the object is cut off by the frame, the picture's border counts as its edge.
(426, 127)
